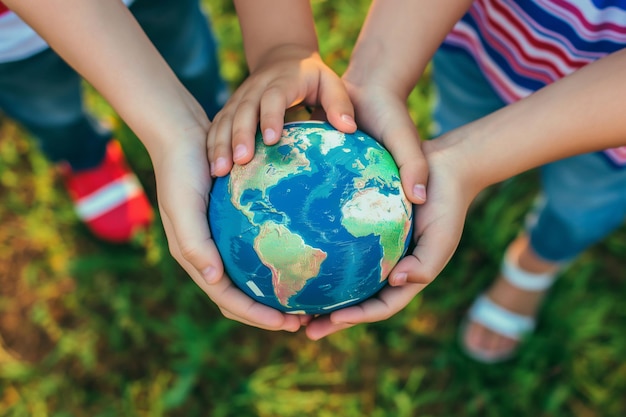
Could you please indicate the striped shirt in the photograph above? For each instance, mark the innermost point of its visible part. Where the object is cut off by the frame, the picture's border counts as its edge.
(524, 45)
(17, 40)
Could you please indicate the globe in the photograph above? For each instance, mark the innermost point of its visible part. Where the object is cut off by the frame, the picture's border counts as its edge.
(313, 223)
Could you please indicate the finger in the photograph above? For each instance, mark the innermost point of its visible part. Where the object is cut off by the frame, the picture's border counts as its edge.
(403, 142)
(381, 307)
(321, 327)
(183, 207)
(192, 245)
(244, 127)
(236, 305)
(434, 248)
(273, 105)
(385, 304)
(336, 102)
(219, 149)
(233, 303)
(305, 319)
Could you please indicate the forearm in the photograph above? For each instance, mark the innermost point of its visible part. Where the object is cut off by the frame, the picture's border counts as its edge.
(398, 40)
(105, 44)
(581, 113)
(268, 24)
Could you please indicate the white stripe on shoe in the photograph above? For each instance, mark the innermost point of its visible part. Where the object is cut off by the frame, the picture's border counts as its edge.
(105, 199)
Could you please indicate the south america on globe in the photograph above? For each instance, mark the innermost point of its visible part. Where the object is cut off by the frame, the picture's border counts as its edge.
(313, 223)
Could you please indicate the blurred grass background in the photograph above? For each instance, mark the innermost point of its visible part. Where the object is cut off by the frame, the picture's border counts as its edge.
(89, 329)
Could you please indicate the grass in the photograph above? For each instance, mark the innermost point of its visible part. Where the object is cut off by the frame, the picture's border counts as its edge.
(89, 329)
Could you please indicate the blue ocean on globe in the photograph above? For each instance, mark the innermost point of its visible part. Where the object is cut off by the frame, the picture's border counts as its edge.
(314, 223)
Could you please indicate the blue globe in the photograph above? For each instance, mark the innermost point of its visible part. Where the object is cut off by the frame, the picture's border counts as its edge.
(314, 223)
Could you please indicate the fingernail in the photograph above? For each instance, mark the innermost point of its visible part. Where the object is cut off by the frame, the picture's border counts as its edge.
(399, 279)
(209, 275)
(240, 152)
(419, 191)
(269, 135)
(348, 119)
(219, 165)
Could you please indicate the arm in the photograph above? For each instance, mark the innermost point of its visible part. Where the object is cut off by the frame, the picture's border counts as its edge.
(400, 37)
(105, 44)
(394, 47)
(577, 114)
(580, 113)
(270, 24)
(285, 70)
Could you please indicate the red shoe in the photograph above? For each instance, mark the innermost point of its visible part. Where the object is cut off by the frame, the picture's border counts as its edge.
(109, 198)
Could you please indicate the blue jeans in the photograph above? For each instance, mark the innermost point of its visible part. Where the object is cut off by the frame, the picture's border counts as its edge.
(44, 94)
(583, 198)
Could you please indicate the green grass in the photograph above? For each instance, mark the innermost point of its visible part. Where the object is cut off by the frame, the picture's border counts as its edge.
(89, 329)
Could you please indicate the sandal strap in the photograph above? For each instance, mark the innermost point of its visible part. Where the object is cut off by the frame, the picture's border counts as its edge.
(525, 280)
(500, 320)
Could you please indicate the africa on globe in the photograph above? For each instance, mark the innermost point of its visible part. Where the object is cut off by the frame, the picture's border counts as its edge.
(314, 223)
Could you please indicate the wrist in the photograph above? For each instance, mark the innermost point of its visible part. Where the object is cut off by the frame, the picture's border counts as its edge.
(375, 63)
(464, 163)
(285, 52)
(165, 126)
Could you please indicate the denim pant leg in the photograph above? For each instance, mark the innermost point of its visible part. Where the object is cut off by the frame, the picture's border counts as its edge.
(183, 35)
(43, 94)
(583, 197)
(463, 94)
(584, 200)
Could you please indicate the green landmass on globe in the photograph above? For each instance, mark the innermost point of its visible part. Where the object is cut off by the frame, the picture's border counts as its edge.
(313, 223)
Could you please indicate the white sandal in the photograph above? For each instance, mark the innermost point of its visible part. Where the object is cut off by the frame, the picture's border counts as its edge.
(500, 320)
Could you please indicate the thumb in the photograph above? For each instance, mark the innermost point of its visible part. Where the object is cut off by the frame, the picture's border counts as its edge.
(184, 215)
(435, 246)
(403, 142)
(336, 103)
(193, 247)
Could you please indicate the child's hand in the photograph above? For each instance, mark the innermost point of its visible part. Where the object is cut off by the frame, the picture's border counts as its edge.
(438, 227)
(385, 304)
(286, 77)
(384, 115)
(183, 184)
(438, 223)
(236, 305)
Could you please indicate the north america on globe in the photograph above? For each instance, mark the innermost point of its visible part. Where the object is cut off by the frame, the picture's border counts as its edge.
(314, 223)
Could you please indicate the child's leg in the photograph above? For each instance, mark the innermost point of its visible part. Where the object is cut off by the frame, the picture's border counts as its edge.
(183, 35)
(44, 95)
(482, 337)
(581, 205)
(584, 199)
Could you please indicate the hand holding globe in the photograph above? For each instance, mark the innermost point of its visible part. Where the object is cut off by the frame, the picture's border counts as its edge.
(314, 223)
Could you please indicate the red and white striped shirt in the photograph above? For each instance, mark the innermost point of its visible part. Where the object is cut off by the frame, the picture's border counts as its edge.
(524, 45)
(17, 40)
